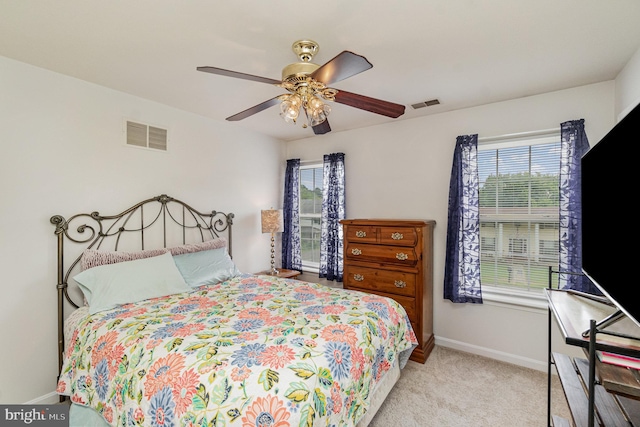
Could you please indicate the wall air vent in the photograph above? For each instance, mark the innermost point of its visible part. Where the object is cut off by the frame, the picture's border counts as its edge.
(146, 136)
(425, 104)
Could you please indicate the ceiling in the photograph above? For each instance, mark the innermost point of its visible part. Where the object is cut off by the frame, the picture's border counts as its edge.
(462, 52)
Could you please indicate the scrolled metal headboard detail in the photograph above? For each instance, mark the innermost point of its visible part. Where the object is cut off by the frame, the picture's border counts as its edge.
(163, 215)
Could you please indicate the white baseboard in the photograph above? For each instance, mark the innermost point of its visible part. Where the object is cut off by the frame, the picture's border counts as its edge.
(492, 354)
(48, 398)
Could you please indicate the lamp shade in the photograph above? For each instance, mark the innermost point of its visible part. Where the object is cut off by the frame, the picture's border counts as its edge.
(272, 221)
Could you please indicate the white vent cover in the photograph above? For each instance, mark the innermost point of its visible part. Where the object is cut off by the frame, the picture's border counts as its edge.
(141, 135)
(423, 104)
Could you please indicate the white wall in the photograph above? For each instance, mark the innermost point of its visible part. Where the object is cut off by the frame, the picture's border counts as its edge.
(402, 170)
(628, 86)
(63, 153)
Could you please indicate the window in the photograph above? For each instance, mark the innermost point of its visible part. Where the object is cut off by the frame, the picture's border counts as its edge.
(518, 246)
(488, 244)
(310, 214)
(519, 212)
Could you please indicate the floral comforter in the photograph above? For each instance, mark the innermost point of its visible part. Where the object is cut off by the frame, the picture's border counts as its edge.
(255, 350)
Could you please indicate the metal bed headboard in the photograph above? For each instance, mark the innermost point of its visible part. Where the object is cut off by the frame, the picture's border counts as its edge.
(160, 221)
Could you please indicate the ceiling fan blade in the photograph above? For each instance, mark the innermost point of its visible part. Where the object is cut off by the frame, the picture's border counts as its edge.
(373, 105)
(344, 65)
(238, 75)
(253, 110)
(322, 128)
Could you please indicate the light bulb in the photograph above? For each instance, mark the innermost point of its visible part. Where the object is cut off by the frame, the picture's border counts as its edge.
(295, 100)
(314, 103)
(318, 115)
(290, 108)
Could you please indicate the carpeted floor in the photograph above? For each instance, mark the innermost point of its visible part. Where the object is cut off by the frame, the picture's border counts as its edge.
(459, 389)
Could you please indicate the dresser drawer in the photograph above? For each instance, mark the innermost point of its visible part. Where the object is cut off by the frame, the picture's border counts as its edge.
(391, 281)
(361, 233)
(401, 236)
(409, 304)
(380, 253)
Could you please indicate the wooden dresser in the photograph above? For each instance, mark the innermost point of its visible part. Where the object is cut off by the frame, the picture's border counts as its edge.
(394, 258)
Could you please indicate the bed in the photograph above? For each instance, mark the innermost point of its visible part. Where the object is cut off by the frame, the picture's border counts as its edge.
(158, 327)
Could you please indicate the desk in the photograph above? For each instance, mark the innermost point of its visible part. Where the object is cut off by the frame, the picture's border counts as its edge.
(593, 389)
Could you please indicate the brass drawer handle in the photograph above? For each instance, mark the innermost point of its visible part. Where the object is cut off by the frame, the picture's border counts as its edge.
(358, 277)
(356, 251)
(400, 284)
(402, 256)
(397, 236)
(361, 233)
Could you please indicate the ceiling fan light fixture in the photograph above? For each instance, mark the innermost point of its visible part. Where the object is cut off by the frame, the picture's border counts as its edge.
(317, 111)
(307, 86)
(312, 104)
(290, 108)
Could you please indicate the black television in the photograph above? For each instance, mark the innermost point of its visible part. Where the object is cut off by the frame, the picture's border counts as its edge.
(610, 173)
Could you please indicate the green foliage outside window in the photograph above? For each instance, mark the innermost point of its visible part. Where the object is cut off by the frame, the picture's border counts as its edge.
(512, 190)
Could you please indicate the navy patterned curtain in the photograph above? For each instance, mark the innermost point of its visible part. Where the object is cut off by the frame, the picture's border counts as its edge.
(574, 144)
(462, 265)
(333, 210)
(291, 252)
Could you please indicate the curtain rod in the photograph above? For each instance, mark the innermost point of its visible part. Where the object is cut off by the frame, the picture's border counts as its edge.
(531, 134)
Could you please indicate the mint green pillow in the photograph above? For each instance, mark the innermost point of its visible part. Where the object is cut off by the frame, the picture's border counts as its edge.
(108, 286)
(206, 267)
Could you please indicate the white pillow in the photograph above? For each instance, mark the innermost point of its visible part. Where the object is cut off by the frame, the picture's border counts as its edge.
(206, 267)
(108, 286)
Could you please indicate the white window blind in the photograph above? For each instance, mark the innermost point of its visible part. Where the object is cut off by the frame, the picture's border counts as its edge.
(310, 214)
(519, 211)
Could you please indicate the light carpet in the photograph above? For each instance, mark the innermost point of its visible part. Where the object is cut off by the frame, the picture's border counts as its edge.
(454, 388)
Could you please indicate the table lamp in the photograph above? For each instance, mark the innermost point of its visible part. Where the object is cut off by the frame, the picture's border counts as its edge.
(272, 223)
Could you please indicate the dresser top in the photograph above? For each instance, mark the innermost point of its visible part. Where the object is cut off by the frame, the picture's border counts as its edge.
(389, 222)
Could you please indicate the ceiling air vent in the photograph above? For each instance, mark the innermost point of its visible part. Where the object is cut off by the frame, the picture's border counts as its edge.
(425, 104)
(145, 136)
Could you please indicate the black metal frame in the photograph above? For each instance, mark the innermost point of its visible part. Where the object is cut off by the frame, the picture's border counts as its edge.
(104, 231)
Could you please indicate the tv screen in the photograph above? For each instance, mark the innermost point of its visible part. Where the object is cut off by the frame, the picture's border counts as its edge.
(610, 180)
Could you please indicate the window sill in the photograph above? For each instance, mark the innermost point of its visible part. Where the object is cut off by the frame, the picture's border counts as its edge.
(530, 301)
(307, 269)
(492, 295)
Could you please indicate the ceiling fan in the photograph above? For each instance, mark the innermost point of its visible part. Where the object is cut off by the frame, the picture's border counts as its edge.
(308, 88)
